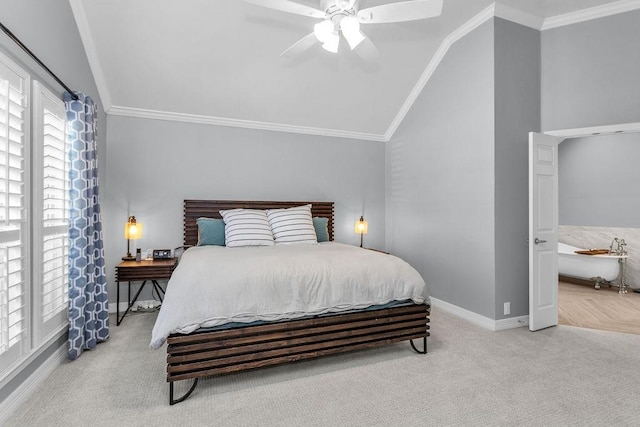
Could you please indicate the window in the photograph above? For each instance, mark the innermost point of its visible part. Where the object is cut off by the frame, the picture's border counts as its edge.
(50, 207)
(34, 184)
(14, 196)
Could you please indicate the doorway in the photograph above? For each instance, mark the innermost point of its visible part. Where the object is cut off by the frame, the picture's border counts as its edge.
(543, 260)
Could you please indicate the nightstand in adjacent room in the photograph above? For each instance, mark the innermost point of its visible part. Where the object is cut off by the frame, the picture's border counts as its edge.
(144, 271)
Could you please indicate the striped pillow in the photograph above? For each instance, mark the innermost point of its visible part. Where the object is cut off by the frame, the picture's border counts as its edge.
(293, 225)
(246, 227)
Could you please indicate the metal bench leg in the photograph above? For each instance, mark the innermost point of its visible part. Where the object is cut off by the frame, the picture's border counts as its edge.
(424, 346)
(173, 401)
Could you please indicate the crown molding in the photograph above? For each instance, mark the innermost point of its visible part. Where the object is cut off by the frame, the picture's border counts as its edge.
(247, 124)
(596, 130)
(502, 11)
(90, 50)
(448, 41)
(591, 13)
(496, 9)
(519, 17)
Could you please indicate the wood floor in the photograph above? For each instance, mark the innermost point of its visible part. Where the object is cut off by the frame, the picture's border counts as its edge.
(604, 309)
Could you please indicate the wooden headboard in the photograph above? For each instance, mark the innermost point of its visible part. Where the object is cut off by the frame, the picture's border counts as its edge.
(194, 209)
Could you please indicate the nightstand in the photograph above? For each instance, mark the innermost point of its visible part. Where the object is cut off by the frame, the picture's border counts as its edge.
(145, 271)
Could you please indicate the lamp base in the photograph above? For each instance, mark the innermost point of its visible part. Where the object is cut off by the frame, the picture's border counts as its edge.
(128, 258)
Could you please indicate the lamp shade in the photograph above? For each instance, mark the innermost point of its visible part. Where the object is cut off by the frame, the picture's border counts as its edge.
(362, 226)
(332, 42)
(132, 229)
(350, 28)
(323, 30)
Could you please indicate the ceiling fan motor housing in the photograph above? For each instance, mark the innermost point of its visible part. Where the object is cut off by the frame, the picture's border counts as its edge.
(335, 6)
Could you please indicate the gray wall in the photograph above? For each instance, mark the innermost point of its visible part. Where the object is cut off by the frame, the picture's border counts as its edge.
(517, 112)
(440, 178)
(599, 181)
(590, 77)
(155, 165)
(49, 30)
(591, 73)
(457, 181)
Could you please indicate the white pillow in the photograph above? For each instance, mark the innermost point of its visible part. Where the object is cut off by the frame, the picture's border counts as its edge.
(246, 227)
(293, 225)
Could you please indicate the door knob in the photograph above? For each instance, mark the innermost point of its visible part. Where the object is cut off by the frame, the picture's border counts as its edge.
(538, 241)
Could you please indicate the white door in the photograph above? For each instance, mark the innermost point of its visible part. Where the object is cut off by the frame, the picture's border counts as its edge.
(543, 231)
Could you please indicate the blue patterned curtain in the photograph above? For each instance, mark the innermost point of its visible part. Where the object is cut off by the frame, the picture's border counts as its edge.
(88, 304)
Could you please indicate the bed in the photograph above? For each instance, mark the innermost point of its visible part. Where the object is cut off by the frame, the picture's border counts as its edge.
(206, 345)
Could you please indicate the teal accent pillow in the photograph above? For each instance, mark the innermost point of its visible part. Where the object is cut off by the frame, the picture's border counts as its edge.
(210, 232)
(322, 228)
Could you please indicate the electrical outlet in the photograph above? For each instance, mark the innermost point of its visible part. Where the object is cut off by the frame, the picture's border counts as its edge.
(507, 308)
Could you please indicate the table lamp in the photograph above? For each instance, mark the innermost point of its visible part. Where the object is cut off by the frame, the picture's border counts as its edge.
(361, 228)
(132, 231)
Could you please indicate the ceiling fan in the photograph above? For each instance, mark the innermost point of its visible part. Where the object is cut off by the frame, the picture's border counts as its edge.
(343, 18)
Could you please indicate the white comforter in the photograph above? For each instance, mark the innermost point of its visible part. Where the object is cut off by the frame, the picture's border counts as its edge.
(214, 285)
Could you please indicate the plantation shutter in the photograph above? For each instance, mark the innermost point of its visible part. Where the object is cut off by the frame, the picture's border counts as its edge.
(51, 207)
(14, 231)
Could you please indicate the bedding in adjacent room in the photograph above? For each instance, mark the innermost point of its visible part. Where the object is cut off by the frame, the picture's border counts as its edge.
(214, 285)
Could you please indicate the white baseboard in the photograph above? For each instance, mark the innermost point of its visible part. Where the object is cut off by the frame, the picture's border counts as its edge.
(32, 383)
(478, 319)
(511, 323)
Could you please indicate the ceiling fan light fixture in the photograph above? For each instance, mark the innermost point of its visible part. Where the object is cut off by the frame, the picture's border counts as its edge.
(350, 28)
(342, 18)
(323, 30)
(332, 42)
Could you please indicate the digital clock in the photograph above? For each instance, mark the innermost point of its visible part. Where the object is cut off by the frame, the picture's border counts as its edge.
(162, 254)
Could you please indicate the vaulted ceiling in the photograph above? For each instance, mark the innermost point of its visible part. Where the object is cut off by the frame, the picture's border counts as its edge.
(218, 61)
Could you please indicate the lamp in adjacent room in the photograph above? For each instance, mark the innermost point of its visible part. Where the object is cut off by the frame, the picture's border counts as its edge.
(361, 228)
(132, 231)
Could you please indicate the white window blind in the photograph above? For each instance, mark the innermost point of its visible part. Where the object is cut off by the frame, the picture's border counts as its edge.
(14, 231)
(51, 207)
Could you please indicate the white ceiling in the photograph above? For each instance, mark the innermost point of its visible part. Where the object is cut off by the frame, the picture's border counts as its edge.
(217, 61)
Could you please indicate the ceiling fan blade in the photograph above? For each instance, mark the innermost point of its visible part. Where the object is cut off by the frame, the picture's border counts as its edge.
(300, 46)
(367, 50)
(400, 12)
(290, 7)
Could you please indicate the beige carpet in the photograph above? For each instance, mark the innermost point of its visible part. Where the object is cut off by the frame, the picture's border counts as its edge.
(559, 376)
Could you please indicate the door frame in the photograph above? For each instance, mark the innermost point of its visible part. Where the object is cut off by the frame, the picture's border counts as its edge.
(581, 133)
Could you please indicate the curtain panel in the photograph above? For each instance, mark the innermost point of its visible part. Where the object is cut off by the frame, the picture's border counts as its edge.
(88, 302)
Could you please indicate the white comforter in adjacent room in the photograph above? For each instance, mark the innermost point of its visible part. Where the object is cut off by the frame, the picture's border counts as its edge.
(214, 285)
